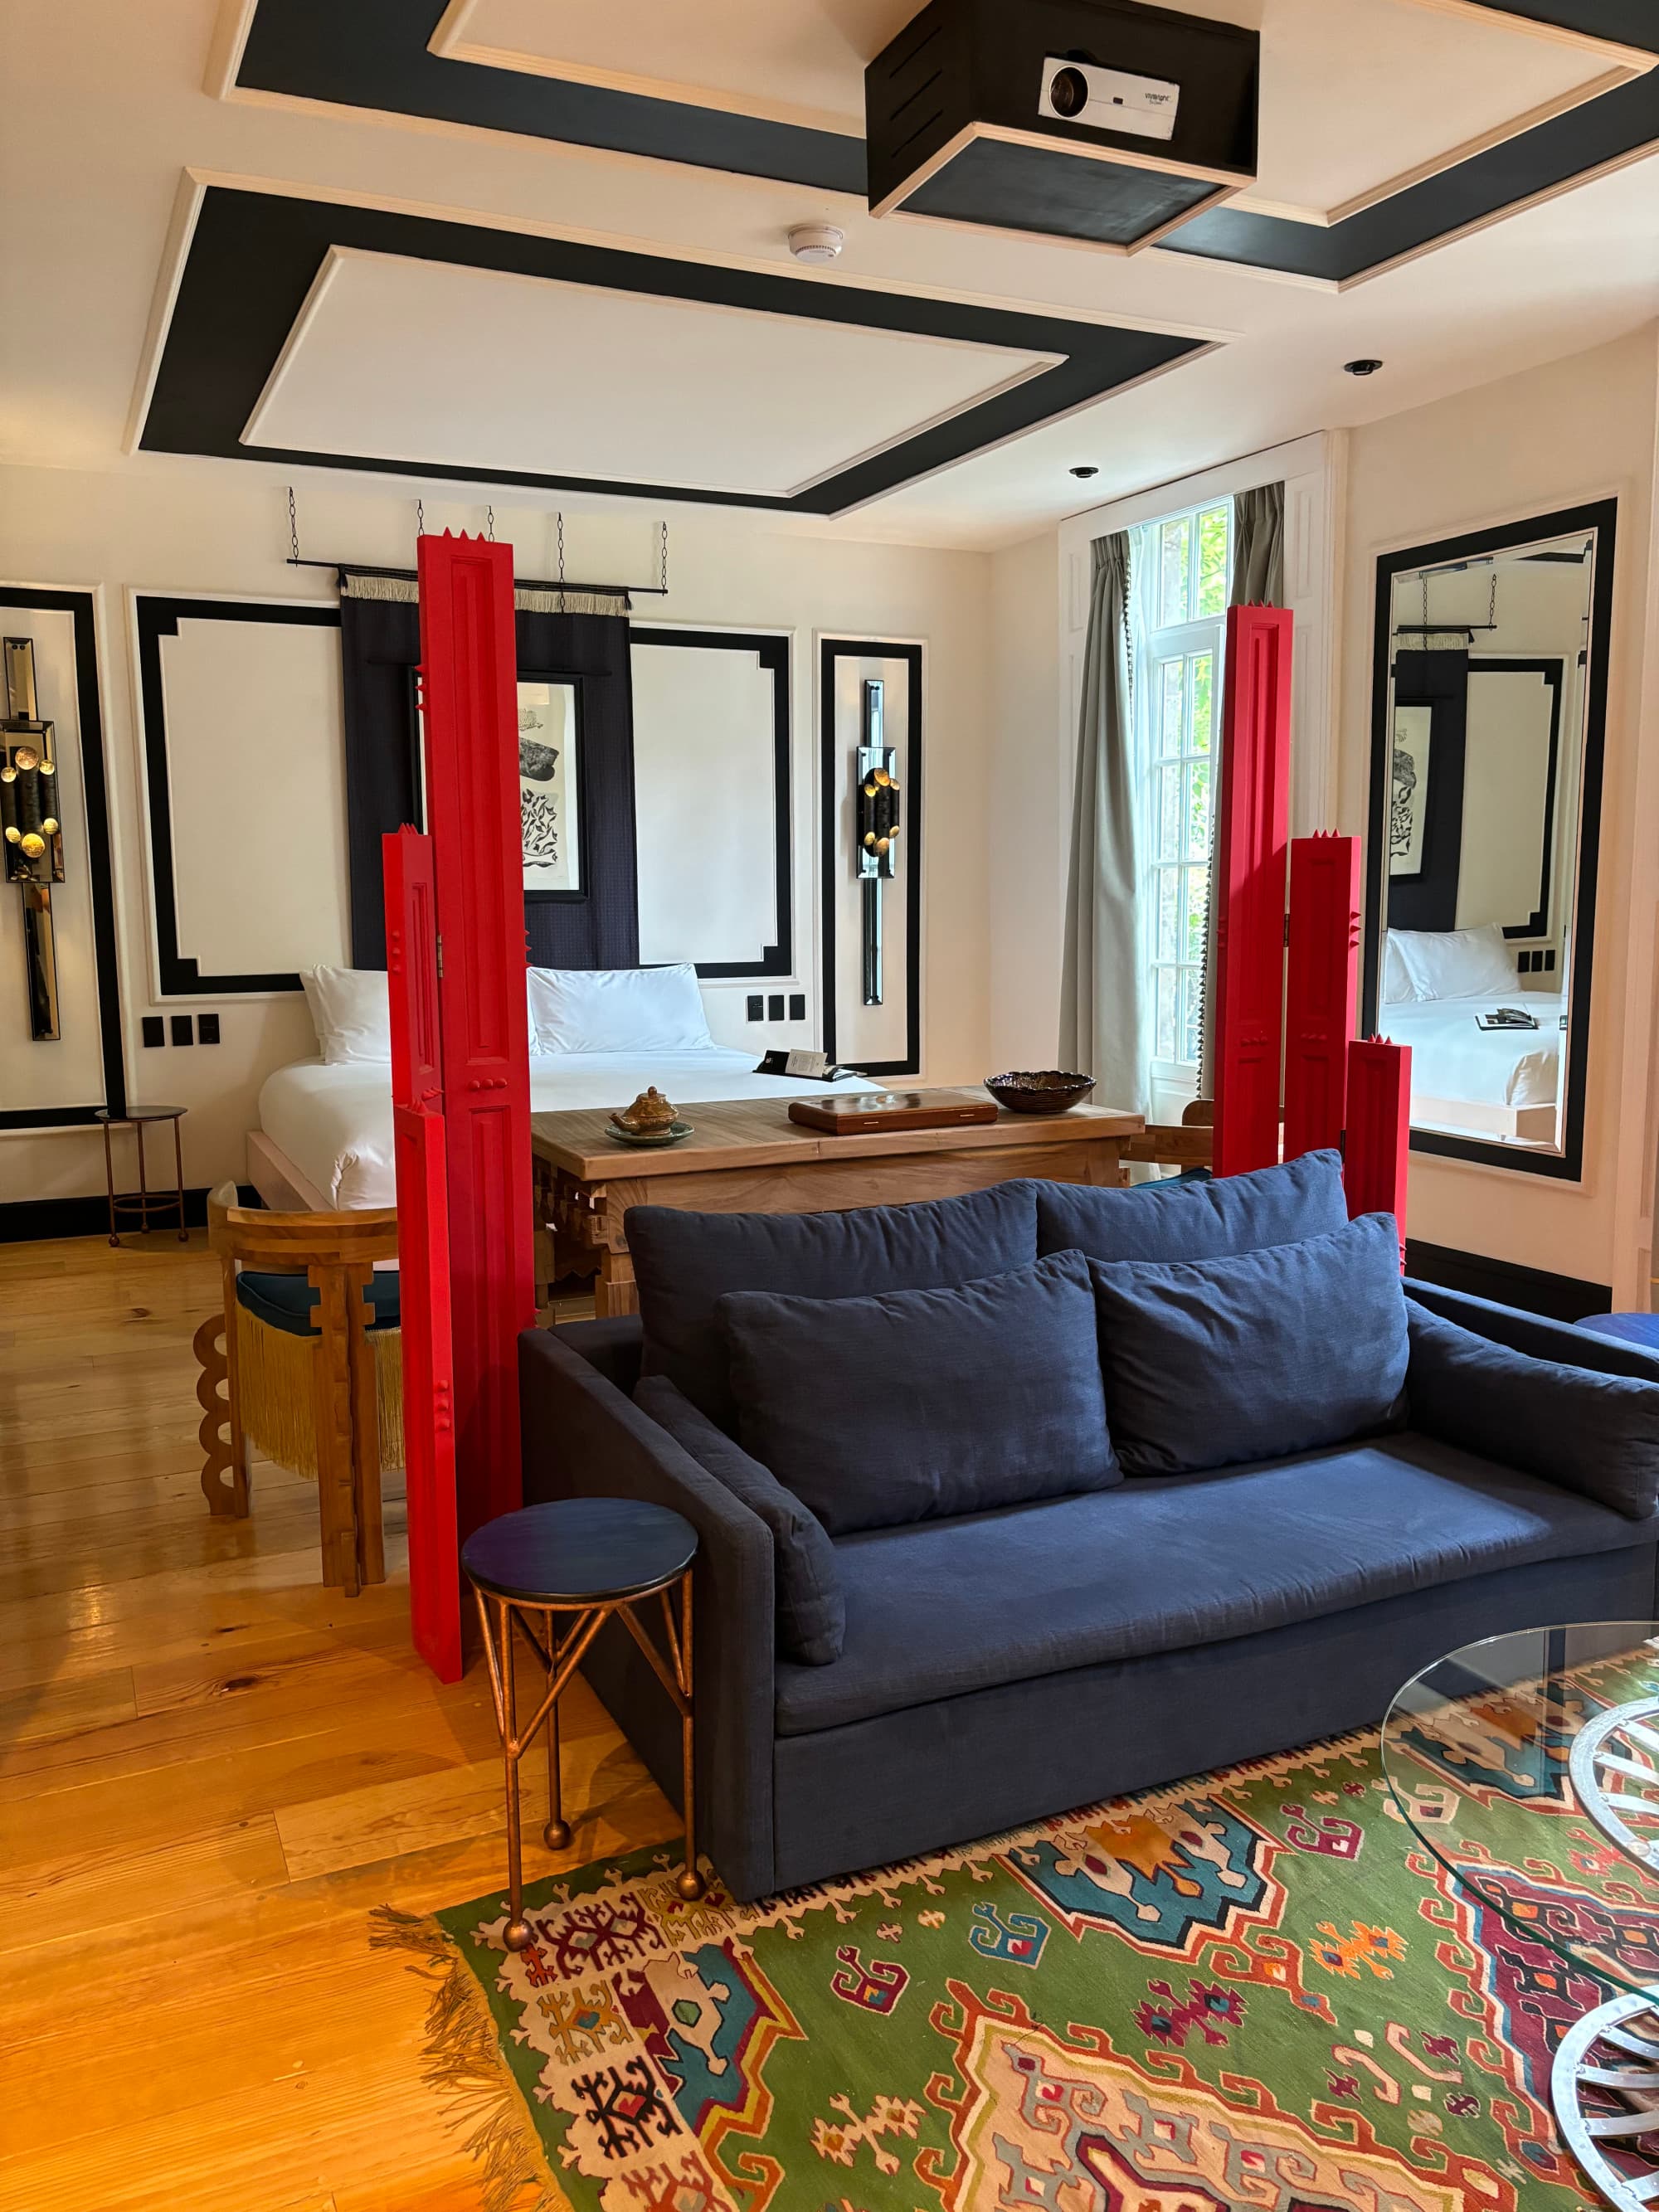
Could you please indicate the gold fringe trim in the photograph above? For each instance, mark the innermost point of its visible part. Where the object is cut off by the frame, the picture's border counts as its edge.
(464, 2061)
(402, 591)
(275, 1393)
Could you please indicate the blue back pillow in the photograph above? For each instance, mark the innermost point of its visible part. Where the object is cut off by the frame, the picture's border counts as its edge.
(684, 1262)
(1593, 1432)
(917, 1404)
(1207, 1219)
(1213, 1363)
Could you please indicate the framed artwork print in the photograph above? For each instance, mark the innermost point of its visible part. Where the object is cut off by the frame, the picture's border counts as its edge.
(550, 787)
(1408, 792)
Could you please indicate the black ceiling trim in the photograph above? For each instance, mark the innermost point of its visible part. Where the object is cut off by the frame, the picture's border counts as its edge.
(253, 256)
(79, 606)
(773, 654)
(374, 54)
(156, 617)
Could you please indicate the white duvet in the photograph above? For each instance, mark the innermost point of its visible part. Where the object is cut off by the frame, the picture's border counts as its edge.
(334, 1123)
(1452, 1057)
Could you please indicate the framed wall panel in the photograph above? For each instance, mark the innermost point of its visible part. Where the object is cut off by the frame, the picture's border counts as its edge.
(885, 1039)
(714, 800)
(60, 1083)
(245, 785)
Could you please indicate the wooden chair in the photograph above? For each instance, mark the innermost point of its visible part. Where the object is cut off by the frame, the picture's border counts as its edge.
(1189, 1144)
(319, 1392)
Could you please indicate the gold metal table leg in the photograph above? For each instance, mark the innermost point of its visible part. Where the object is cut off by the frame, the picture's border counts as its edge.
(557, 1834)
(517, 1935)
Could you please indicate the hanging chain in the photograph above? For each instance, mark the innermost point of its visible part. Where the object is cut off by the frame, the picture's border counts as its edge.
(293, 527)
(559, 522)
(1426, 608)
(489, 525)
(420, 517)
(663, 572)
(1491, 603)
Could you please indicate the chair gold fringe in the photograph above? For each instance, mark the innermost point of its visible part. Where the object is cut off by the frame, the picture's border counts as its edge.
(275, 1393)
(462, 2060)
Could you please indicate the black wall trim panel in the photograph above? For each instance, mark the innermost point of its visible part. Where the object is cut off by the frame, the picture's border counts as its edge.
(79, 607)
(157, 618)
(833, 762)
(1559, 1297)
(253, 256)
(374, 54)
(30, 1220)
(773, 653)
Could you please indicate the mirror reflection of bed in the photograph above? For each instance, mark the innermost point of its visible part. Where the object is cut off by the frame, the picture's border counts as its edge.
(1489, 706)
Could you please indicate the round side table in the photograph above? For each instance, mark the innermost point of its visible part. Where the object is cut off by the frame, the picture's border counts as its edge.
(553, 1575)
(143, 1202)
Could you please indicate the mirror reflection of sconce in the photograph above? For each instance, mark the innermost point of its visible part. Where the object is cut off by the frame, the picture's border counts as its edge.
(876, 820)
(29, 818)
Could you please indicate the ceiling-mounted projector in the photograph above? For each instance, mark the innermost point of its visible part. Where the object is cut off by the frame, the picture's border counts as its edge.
(1101, 121)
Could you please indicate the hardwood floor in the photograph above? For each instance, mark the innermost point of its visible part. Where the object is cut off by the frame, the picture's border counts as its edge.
(211, 1771)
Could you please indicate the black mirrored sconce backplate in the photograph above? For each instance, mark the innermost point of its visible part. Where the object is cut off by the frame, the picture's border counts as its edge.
(29, 816)
(875, 829)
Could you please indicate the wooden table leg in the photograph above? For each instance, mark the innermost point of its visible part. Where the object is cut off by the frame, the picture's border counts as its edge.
(615, 1291)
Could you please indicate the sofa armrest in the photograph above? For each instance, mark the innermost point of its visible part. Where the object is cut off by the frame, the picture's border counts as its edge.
(583, 1438)
(1573, 1426)
(614, 1345)
(1532, 1333)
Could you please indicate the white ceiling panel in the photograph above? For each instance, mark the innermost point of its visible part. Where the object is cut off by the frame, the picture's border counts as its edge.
(1357, 96)
(423, 361)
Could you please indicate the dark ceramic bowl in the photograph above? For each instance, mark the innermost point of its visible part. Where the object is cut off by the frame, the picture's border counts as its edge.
(1047, 1090)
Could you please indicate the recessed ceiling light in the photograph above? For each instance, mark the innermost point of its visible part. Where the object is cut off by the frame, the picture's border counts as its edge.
(816, 241)
(1365, 366)
(1085, 469)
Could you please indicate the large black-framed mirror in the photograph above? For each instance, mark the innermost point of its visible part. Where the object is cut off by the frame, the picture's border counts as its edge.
(1488, 730)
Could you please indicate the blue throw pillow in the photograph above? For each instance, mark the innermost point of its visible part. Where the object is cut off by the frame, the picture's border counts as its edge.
(811, 1612)
(684, 1262)
(919, 1404)
(1595, 1433)
(1213, 1363)
(1214, 1219)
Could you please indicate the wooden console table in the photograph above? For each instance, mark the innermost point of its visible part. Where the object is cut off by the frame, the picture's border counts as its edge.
(748, 1157)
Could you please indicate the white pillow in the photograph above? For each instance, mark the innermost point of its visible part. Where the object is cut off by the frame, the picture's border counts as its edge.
(1457, 963)
(1397, 978)
(350, 1013)
(618, 1010)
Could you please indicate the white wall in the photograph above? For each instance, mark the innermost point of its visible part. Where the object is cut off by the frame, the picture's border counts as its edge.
(1550, 437)
(220, 527)
(1030, 812)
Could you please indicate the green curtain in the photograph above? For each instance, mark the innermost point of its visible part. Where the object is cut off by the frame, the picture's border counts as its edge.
(1103, 995)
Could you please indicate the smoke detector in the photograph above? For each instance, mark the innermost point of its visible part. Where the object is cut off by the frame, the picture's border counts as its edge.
(816, 241)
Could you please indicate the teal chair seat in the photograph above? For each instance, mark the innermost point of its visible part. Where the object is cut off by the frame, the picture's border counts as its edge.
(288, 1301)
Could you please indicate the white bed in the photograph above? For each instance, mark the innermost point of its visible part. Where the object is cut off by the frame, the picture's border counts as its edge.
(1505, 1083)
(334, 1124)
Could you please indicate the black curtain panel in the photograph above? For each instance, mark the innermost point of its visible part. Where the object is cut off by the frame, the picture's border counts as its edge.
(380, 643)
(1440, 682)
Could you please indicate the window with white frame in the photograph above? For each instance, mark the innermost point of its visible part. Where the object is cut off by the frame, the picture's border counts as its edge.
(1179, 569)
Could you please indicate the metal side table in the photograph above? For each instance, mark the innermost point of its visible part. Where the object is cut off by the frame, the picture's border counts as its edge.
(142, 1203)
(551, 1576)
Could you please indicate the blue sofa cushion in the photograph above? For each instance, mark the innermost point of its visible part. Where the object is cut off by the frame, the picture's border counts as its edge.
(684, 1262)
(917, 1404)
(1596, 1434)
(811, 1610)
(950, 1607)
(1212, 1219)
(1210, 1363)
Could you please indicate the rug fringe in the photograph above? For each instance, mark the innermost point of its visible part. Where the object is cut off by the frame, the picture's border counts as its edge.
(464, 2061)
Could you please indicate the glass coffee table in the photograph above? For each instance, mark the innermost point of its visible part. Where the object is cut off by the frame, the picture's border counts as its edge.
(1529, 1765)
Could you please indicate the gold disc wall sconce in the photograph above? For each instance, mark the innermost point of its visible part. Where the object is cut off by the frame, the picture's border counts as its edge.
(29, 816)
(877, 829)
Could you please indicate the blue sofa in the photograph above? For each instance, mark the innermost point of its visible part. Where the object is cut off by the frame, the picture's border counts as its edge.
(999, 1665)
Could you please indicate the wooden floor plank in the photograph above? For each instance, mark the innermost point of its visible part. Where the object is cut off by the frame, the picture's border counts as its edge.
(212, 1770)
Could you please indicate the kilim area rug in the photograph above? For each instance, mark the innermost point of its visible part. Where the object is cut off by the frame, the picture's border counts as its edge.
(1259, 1991)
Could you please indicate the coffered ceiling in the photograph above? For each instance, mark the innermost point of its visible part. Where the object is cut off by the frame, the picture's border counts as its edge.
(543, 243)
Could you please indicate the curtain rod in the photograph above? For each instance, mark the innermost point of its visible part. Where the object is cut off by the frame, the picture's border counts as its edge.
(519, 583)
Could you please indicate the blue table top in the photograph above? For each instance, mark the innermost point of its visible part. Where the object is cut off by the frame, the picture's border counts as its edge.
(579, 1550)
(1641, 1329)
